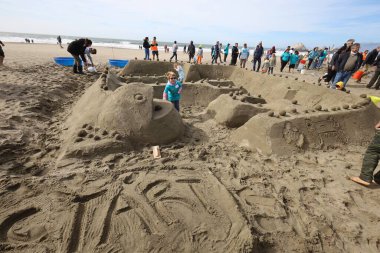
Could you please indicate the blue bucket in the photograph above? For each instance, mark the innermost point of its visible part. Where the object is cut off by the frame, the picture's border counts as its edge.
(64, 61)
(118, 63)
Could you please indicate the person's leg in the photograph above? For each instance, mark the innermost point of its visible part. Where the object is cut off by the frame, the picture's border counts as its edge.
(176, 59)
(225, 57)
(308, 65)
(259, 64)
(283, 64)
(370, 161)
(176, 104)
(346, 77)
(1, 60)
(157, 56)
(373, 79)
(76, 63)
(338, 77)
(254, 64)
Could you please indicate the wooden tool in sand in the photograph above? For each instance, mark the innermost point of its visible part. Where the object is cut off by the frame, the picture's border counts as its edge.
(156, 152)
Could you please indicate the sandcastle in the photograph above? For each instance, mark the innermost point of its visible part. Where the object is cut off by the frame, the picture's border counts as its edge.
(270, 114)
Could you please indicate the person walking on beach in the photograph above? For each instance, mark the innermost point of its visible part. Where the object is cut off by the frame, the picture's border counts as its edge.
(174, 50)
(173, 90)
(331, 70)
(369, 61)
(220, 52)
(154, 48)
(376, 76)
(244, 55)
(347, 64)
(59, 41)
(370, 161)
(215, 54)
(2, 55)
(146, 46)
(191, 51)
(259, 51)
(234, 54)
(226, 49)
(322, 57)
(200, 55)
(293, 61)
(77, 49)
(272, 63)
(313, 55)
(285, 57)
(184, 49)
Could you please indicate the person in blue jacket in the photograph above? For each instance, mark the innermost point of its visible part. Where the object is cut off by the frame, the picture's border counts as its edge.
(322, 58)
(293, 61)
(313, 55)
(285, 57)
(173, 90)
(226, 49)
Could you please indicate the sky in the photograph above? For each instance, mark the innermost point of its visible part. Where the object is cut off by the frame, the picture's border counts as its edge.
(275, 22)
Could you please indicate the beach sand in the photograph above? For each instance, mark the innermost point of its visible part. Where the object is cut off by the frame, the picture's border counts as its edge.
(206, 194)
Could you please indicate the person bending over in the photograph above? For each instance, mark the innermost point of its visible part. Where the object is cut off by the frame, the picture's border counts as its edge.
(77, 50)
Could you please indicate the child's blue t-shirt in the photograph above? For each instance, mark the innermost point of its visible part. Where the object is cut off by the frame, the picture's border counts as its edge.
(172, 91)
(294, 59)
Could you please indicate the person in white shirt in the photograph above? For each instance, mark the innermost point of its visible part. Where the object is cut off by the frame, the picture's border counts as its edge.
(88, 51)
(174, 49)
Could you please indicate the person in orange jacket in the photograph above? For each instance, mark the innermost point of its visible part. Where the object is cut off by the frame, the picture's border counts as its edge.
(154, 48)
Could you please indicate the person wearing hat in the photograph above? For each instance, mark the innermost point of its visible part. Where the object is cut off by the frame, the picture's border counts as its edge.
(226, 49)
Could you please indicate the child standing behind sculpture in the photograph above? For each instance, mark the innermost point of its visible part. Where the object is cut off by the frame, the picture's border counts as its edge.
(265, 65)
(272, 63)
(181, 72)
(173, 90)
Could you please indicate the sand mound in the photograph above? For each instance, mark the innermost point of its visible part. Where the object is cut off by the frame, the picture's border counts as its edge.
(122, 116)
(235, 109)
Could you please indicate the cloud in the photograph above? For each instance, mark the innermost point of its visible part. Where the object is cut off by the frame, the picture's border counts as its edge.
(275, 21)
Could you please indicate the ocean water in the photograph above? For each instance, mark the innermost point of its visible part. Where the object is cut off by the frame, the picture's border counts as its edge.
(121, 43)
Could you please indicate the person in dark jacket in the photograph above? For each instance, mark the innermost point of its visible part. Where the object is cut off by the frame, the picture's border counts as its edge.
(331, 71)
(146, 46)
(371, 57)
(2, 55)
(376, 76)
(77, 49)
(234, 54)
(347, 64)
(191, 51)
(215, 53)
(259, 51)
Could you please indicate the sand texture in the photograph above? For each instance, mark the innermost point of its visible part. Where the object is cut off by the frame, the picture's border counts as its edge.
(252, 163)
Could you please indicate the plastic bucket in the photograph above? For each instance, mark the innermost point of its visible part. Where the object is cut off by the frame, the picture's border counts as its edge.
(64, 61)
(118, 63)
(303, 71)
(358, 74)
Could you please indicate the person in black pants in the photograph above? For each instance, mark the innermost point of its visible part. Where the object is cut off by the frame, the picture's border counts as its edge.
(2, 55)
(191, 51)
(259, 51)
(77, 49)
(376, 76)
(285, 57)
(234, 54)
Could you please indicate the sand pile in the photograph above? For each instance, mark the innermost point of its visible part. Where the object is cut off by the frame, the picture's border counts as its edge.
(206, 194)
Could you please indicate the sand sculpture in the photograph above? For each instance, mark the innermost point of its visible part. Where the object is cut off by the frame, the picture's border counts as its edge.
(112, 116)
(274, 114)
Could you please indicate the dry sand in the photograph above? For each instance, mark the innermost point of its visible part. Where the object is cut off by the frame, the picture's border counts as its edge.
(206, 193)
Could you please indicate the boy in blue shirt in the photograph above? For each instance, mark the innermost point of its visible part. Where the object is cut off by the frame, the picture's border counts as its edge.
(293, 61)
(173, 90)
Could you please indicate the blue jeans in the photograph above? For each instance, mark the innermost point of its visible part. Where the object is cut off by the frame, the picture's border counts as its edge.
(146, 54)
(343, 76)
(176, 104)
